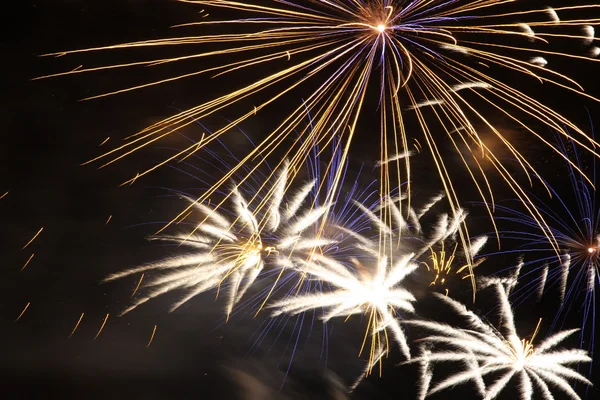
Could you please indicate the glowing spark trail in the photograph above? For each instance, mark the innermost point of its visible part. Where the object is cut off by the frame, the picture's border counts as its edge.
(23, 312)
(101, 327)
(151, 337)
(76, 325)
(27, 262)
(33, 238)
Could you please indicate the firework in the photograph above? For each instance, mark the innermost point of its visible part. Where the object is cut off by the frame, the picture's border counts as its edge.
(485, 350)
(232, 249)
(572, 276)
(373, 290)
(449, 57)
(439, 266)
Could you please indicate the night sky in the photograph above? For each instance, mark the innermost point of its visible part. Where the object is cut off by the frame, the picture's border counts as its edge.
(47, 133)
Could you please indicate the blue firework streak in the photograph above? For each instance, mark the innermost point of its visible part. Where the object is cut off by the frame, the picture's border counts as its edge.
(574, 221)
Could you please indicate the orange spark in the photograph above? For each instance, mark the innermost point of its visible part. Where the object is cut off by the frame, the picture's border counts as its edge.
(77, 325)
(138, 285)
(102, 327)
(23, 312)
(27, 263)
(34, 236)
(151, 337)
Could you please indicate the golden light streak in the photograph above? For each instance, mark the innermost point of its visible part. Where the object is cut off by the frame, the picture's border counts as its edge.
(104, 141)
(5, 193)
(108, 220)
(27, 263)
(151, 337)
(76, 325)
(23, 312)
(101, 327)
(138, 285)
(33, 238)
(528, 347)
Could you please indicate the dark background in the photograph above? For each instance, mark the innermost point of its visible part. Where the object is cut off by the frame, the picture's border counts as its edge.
(46, 134)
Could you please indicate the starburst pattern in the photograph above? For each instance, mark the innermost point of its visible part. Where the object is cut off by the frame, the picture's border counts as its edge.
(451, 57)
(376, 293)
(485, 350)
(234, 250)
(573, 216)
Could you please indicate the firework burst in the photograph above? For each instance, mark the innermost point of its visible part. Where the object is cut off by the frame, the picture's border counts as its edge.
(572, 277)
(485, 350)
(416, 54)
(233, 249)
(376, 293)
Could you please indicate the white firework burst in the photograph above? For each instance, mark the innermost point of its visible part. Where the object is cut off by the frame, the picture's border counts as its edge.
(376, 292)
(485, 350)
(234, 250)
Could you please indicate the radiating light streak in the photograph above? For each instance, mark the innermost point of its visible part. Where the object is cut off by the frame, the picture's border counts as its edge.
(151, 337)
(101, 327)
(76, 325)
(27, 262)
(33, 238)
(23, 312)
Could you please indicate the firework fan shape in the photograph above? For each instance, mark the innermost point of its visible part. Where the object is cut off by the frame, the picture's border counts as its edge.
(484, 350)
(233, 249)
(415, 54)
(574, 223)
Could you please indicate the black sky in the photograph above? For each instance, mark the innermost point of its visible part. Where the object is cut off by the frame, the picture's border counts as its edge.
(46, 135)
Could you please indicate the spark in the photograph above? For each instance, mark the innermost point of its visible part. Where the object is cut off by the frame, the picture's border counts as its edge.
(33, 238)
(76, 325)
(101, 327)
(151, 337)
(108, 220)
(27, 262)
(539, 61)
(138, 285)
(104, 141)
(553, 15)
(23, 312)
(4, 195)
